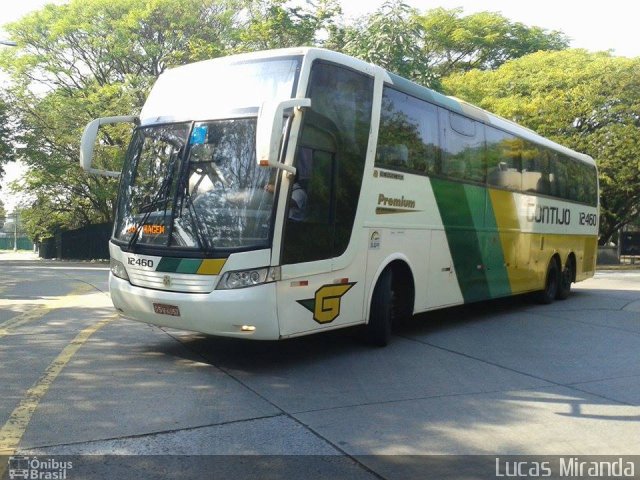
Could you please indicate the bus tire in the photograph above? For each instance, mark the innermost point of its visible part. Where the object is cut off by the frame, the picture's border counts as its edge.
(551, 283)
(566, 277)
(378, 330)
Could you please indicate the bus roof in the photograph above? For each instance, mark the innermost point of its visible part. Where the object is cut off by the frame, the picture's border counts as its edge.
(407, 86)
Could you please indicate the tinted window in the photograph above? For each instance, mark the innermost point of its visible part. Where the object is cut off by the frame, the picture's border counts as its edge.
(503, 159)
(463, 149)
(535, 169)
(582, 186)
(408, 134)
(330, 164)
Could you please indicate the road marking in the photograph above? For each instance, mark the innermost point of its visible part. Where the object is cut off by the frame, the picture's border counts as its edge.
(12, 431)
(77, 296)
(47, 267)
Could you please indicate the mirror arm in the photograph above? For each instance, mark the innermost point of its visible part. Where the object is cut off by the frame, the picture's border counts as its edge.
(88, 141)
(267, 145)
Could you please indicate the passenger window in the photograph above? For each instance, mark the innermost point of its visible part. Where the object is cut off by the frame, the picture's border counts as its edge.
(463, 150)
(408, 134)
(536, 176)
(503, 159)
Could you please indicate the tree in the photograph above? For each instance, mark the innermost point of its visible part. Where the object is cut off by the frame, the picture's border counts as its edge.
(277, 24)
(7, 127)
(3, 214)
(588, 102)
(391, 38)
(426, 47)
(92, 58)
(483, 40)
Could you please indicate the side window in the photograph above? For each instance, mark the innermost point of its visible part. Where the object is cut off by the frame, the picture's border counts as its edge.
(591, 181)
(408, 134)
(536, 176)
(463, 148)
(583, 186)
(504, 168)
(561, 181)
(330, 163)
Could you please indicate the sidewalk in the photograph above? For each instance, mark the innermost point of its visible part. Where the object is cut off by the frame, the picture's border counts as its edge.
(23, 255)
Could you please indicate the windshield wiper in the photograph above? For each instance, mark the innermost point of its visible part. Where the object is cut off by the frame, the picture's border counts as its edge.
(203, 243)
(160, 197)
(201, 238)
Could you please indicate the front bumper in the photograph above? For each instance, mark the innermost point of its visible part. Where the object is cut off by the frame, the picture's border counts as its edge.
(221, 312)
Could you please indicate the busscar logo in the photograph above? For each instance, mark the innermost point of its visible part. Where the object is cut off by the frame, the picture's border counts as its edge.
(325, 306)
(374, 241)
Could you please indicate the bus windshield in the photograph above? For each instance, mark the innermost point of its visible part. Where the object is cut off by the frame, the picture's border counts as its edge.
(195, 185)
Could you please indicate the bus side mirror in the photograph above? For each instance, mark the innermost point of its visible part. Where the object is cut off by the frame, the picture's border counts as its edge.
(89, 140)
(269, 131)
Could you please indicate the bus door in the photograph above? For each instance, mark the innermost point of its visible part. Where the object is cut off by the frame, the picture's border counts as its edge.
(322, 202)
(310, 295)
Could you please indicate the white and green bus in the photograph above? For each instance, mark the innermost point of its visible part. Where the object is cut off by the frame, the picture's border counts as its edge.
(282, 193)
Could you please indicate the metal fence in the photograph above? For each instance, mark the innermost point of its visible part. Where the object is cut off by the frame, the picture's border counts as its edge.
(87, 243)
(9, 243)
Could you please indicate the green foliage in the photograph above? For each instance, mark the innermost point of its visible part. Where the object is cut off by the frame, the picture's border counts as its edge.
(87, 59)
(273, 24)
(483, 40)
(7, 151)
(391, 38)
(3, 214)
(92, 58)
(586, 101)
(426, 47)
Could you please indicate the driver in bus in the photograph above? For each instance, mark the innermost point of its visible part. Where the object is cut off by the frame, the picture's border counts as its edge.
(299, 196)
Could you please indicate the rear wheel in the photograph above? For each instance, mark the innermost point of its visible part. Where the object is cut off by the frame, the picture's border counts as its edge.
(551, 284)
(566, 277)
(378, 330)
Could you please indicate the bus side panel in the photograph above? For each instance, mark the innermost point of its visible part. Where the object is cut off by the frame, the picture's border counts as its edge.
(403, 223)
(314, 297)
(442, 285)
(553, 226)
(476, 247)
(515, 244)
(501, 241)
(587, 267)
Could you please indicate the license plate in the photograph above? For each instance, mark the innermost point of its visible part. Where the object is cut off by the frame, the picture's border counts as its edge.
(164, 309)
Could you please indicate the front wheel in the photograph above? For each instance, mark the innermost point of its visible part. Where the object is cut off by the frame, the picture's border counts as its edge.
(551, 284)
(378, 330)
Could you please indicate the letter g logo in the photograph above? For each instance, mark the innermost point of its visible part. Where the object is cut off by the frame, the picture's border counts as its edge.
(325, 306)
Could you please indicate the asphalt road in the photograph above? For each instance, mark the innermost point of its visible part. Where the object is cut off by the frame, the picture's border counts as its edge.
(502, 378)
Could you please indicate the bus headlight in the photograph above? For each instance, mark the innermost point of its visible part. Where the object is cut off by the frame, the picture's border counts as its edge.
(248, 278)
(117, 268)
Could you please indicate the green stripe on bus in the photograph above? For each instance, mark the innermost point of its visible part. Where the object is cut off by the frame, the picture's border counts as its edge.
(474, 240)
(198, 266)
(494, 258)
(189, 265)
(461, 212)
(168, 264)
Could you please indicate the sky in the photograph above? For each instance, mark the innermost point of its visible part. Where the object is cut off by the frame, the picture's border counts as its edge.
(591, 24)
